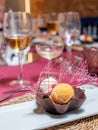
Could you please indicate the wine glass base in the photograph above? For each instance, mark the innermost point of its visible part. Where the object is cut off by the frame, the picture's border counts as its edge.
(22, 84)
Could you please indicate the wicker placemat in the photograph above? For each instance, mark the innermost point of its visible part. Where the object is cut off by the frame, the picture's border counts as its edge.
(24, 98)
(90, 123)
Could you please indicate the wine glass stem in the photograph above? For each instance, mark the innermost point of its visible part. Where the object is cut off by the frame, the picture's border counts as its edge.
(69, 56)
(69, 52)
(20, 77)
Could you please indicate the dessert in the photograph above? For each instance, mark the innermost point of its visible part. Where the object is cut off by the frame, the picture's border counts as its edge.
(89, 39)
(86, 39)
(45, 101)
(62, 93)
(47, 84)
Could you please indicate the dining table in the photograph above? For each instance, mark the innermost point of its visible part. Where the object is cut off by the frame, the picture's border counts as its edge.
(31, 71)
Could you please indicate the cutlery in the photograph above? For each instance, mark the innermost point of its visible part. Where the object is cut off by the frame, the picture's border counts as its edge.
(5, 97)
(15, 91)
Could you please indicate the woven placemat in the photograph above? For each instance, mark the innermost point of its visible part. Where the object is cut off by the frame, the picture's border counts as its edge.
(24, 98)
(90, 123)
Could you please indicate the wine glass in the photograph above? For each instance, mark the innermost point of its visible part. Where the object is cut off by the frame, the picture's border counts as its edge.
(52, 23)
(69, 30)
(18, 35)
(49, 50)
(42, 26)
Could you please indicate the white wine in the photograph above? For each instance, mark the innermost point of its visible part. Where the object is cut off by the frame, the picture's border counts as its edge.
(18, 43)
(52, 27)
(49, 55)
(49, 52)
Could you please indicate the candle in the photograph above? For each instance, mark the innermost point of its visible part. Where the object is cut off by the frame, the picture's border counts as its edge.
(27, 6)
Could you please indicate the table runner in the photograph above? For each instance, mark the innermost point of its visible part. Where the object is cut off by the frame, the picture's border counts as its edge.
(30, 71)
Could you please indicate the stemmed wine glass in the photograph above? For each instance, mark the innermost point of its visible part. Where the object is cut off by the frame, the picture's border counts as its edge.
(18, 35)
(49, 50)
(69, 29)
(52, 23)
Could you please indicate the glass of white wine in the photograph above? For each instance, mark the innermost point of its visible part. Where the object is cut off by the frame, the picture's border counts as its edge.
(18, 34)
(52, 23)
(49, 50)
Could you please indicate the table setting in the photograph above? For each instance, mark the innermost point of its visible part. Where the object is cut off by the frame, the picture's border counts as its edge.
(58, 88)
(26, 106)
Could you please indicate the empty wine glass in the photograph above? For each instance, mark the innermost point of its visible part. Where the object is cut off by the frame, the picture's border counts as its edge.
(69, 29)
(18, 35)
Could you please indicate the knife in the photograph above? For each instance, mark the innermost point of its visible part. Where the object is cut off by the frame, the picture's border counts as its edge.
(5, 97)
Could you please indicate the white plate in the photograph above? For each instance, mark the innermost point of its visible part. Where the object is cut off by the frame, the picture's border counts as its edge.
(25, 116)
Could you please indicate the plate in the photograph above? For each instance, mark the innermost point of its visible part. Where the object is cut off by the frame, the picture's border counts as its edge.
(27, 115)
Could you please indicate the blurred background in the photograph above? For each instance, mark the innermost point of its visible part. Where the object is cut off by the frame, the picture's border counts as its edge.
(88, 11)
(86, 8)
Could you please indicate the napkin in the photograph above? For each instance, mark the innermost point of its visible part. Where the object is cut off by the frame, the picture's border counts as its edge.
(11, 57)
